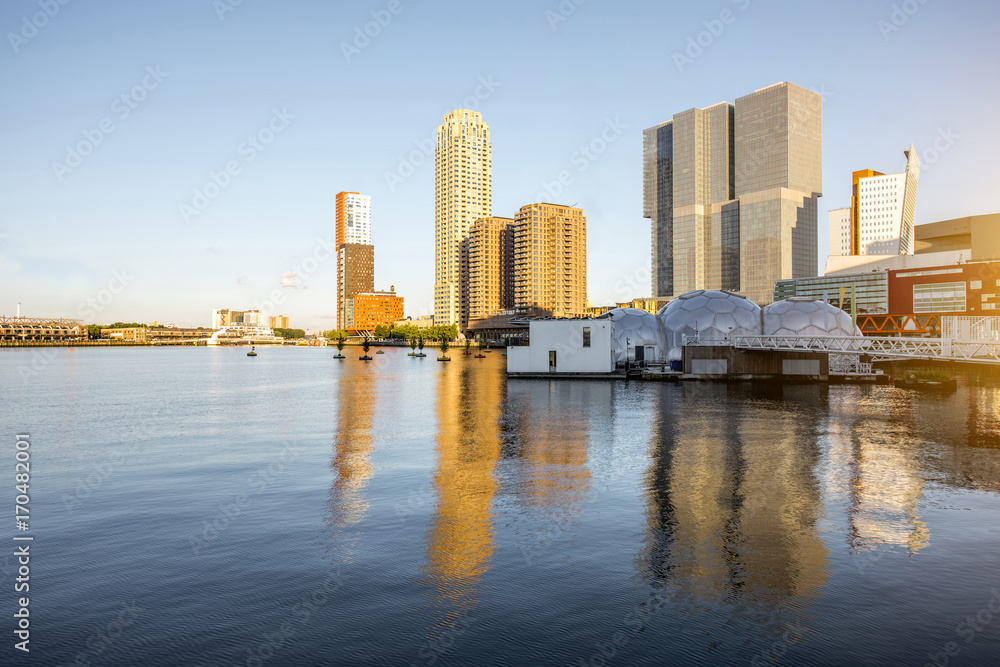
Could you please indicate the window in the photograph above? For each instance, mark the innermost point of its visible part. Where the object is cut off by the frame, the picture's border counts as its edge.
(586, 336)
(939, 298)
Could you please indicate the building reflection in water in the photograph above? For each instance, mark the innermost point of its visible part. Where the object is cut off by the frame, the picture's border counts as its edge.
(551, 479)
(460, 538)
(733, 500)
(875, 463)
(351, 462)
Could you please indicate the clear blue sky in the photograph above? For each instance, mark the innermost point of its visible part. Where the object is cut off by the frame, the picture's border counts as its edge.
(555, 86)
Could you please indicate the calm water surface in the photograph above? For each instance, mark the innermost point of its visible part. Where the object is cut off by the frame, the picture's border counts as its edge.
(196, 507)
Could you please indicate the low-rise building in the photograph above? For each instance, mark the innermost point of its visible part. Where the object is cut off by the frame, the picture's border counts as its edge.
(364, 312)
(564, 346)
(423, 322)
(154, 334)
(37, 329)
(127, 334)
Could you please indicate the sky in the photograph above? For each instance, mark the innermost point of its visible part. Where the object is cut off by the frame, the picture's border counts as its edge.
(162, 159)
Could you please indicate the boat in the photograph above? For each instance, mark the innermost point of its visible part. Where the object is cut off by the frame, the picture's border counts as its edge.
(444, 358)
(420, 355)
(251, 353)
(339, 356)
(480, 356)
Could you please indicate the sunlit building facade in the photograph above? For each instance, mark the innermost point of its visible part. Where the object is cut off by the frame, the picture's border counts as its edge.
(355, 275)
(355, 252)
(491, 267)
(354, 218)
(550, 259)
(880, 220)
(365, 312)
(779, 180)
(731, 193)
(463, 181)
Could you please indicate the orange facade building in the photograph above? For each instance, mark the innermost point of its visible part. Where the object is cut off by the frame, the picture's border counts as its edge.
(365, 312)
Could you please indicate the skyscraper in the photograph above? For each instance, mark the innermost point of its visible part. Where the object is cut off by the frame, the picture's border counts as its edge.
(355, 275)
(463, 182)
(880, 220)
(550, 259)
(779, 180)
(658, 203)
(354, 218)
(491, 267)
(731, 193)
(355, 252)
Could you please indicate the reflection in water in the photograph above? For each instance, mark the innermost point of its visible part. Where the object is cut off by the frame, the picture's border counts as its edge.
(733, 500)
(875, 464)
(553, 478)
(460, 537)
(351, 463)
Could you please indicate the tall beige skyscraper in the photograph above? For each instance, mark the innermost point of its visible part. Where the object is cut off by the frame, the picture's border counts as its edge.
(463, 193)
(779, 180)
(550, 259)
(731, 192)
(491, 267)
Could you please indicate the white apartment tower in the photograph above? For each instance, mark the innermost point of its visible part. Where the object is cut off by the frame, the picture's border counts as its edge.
(880, 220)
(463, 193)
(354, 218)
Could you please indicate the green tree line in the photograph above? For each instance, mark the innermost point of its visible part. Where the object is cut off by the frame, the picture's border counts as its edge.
(404, 332)
(289, 334)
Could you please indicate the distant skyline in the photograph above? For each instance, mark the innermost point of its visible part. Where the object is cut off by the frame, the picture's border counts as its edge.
(208, 139)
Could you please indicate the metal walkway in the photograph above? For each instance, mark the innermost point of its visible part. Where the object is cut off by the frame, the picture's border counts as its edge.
(880, 349)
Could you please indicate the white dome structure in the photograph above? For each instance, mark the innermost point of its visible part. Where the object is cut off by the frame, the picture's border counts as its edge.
(802, 316)
(632, 328)
(709, 314)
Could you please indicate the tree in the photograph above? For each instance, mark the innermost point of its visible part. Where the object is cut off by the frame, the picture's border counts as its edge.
(444, 346)
(404, 332)
(420, 344)
(340, 344)
(413, 344)
(381, 331)
(290, 333)
(334, 334)
(366, 345)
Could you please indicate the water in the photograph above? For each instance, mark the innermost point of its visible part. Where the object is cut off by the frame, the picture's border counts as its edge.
(196, 507)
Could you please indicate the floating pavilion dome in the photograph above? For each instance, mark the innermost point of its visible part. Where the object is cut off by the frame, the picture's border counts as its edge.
(632, 327)
(709, 314)
(802, 316)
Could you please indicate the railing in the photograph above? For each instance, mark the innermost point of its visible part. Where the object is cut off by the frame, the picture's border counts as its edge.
(849, 363)
(879, 348)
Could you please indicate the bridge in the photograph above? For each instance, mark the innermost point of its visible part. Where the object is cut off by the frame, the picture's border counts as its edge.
(879, 349)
